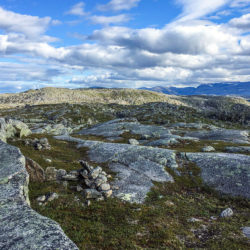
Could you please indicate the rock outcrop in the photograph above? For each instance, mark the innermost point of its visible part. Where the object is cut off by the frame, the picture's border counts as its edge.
(10, 128)
(20, 226)
(227, 173)
(136, 166)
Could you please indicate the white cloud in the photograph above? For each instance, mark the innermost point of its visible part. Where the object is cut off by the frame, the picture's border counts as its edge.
(242, 22)
(194, 9)
(117, 5)
(106, 20)
(77, 10)
(240, 3)
(31, 26)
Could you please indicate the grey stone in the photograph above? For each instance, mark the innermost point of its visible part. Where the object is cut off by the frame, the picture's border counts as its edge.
(95, 172)
(20, 226)
(10, 128)
(36, 172)
(100, 180)
(60, 173)
(107, 193)
(86, 166)
(104, 187)
(246, 231)
(70, 177)
(227, 173)
(50, 173)
(52, 196)
(91, 194)
(41, 198)
(227, 213)
(208, 149)
(133, 142)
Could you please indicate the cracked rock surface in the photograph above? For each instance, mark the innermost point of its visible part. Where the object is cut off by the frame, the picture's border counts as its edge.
(20, 226)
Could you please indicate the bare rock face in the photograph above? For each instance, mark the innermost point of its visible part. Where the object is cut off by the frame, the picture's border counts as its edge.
(35, 171)
(20, 226)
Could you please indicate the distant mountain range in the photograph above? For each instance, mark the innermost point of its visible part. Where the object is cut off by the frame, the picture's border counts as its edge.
(233, 89)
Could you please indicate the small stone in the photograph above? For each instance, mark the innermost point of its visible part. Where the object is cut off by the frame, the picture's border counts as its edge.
(246, 231)
(41, 198)
(69, 177)
(109, 176)
(100, 180)
(48, 160)
(86, 166)
(95, 172)
(65, 184)
(107, 193)
(84, 174)
(91, 194)
(104, 187)
(50, 173)
(193, 220)
(79, 188)
(133, 142)
(89, 183)
(88, 203)
(213, 218)
(60, 173)
(227, 213)
(38, 146)
(208, 149)
(52, 197)
(169, 203)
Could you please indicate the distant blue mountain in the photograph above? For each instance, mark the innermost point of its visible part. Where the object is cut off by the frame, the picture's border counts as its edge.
(236, 89)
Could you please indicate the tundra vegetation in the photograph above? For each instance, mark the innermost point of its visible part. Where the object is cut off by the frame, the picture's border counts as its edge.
(182, 213)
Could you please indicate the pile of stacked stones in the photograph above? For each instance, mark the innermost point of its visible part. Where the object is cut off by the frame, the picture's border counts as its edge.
(95, 179)
(38, 144)
(97, 182)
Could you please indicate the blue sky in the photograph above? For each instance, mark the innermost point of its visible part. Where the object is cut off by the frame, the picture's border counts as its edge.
(123, 43)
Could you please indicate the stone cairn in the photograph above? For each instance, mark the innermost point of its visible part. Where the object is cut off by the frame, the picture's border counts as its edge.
(92, 182)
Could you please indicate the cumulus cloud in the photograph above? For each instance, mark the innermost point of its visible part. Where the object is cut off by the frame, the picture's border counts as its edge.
(118, 5)
(106, 20)
(77, 10)
(29, 25)
(242, 22)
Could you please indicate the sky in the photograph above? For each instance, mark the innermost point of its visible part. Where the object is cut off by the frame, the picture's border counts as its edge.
(123, 43)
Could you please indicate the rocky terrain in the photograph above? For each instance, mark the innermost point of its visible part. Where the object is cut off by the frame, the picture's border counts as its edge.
(120, 172)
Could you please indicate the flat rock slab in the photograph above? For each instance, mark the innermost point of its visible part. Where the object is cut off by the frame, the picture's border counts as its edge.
(136, 166)
(227, 173)
(20, 226)
(238, 149)
(117, 127)
(228, 135)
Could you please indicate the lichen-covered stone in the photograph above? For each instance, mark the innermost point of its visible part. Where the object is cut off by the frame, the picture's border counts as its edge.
(227, 173)
(20, 226)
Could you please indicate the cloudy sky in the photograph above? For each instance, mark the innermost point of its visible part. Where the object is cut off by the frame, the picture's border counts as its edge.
(123, 43)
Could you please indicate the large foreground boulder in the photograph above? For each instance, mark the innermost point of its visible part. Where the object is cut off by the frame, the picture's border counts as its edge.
(20, 226)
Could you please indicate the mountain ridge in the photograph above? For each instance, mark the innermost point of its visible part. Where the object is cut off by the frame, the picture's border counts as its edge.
(222, 89)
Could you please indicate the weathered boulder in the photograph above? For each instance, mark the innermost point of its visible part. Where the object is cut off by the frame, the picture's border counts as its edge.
(227, 173)
(10, 128)
(246, 231)
(36, 172)
(208, 149)
(53, 129)
(20, 226)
